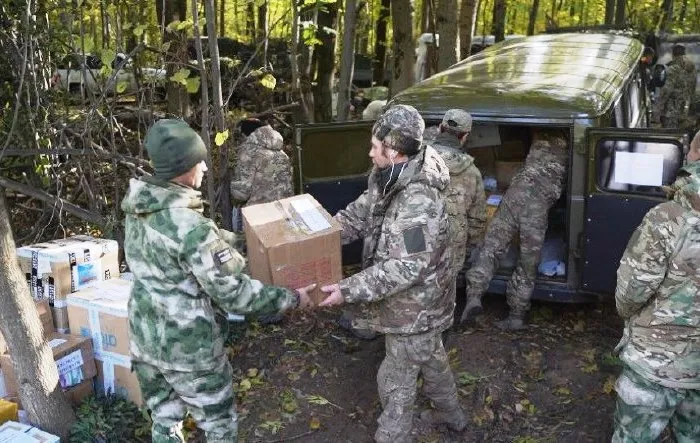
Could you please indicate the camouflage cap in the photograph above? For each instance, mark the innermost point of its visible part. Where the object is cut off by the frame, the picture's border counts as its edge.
(458, 120)
(401, 128)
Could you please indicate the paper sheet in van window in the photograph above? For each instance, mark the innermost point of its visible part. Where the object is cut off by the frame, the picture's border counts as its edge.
(636, 168)
(310, 216)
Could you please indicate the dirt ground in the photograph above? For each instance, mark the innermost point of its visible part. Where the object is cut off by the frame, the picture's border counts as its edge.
(307, 380)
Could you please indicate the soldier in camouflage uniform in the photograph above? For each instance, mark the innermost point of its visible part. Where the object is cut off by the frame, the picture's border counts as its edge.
(523, 211)
(675, 96)
(263, 171)
(186, 273)
(406, 277)
(465, 199)
(658, 296)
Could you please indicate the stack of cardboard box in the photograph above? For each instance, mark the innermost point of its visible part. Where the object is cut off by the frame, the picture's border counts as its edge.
(12, 432)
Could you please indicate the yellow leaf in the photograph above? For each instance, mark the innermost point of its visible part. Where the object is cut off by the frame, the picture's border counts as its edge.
(192, 85)
(245, 385)
(269, 81)
(219, 140)
(562, 391)
(138, 31)
(590, 368)
(252, 372)
(121, 87)
(314, 423)
(609, 386)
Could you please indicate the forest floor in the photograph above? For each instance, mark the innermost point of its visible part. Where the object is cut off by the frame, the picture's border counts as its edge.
(307, 380)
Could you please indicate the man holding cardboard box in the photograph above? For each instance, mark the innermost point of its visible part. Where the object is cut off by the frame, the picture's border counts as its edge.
(185, 270)
(406, 280)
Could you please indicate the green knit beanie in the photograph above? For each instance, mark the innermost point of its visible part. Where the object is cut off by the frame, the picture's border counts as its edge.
(174, 148)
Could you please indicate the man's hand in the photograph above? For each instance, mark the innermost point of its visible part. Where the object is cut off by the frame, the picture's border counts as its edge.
(334, 296)
(304, 299)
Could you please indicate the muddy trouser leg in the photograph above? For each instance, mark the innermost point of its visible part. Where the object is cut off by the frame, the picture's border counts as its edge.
(533, 226)
(645, 408)
(397, 384)
(438, 381)
(498, 236)
(207, 395)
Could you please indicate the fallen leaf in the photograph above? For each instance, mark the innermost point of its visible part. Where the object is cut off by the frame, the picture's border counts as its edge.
(314, 423)
(252, 372)
(609, 386)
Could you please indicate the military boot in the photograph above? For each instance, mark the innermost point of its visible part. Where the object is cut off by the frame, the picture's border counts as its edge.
(511, 323)
(471, 310)
(456, 420)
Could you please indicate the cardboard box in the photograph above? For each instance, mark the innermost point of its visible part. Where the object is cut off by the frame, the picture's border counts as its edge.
(73, 356)
(13, 432)
(505, 171)
(8, 411)
(56, 268)
(101, 312)
(42, 307)
(293, 242)
(78, 393)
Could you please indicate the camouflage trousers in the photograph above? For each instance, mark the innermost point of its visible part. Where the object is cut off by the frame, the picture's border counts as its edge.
(407, 357)
(645, 408)
(207, 395)
(530, 223)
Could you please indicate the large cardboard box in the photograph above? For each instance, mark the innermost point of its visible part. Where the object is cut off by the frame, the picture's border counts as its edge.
(74, 359)
(101, 312)
(42, 307)
(13, 432)
(56, 268)
(293, 242)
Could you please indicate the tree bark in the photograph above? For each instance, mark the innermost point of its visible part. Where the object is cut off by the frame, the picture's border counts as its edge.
(467, 24)
(533, 17)
(402, 21)
(39, 389)
(294, 56)
(620, 13)
(327, 22)
(176, 57)
(498, 26)
(222, 17)
(609, 11)
(447, 29)
(307, 13)
(684, 9)
(666, 15)
(347, 60)
(262, 32)
(380, 42)
(250, 21)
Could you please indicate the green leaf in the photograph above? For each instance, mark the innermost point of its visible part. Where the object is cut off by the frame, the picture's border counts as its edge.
(192, 85)
(121, 87)
(138, 31)
(269, 81)
(273, 426)
(318, 400)
(221, 138)
(181, 76)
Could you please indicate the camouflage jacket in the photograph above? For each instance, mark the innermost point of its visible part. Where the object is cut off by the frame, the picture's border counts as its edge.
(676, 94)
(406, 276)
(464, 197)
(185, 270)
(658, 289)
(542, 177)
(263, 171)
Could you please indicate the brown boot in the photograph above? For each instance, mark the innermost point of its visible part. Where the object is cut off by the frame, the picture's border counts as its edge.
(456, 420)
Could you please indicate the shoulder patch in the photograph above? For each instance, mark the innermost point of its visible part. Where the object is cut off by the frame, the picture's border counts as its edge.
(222, 256)
(414, 240)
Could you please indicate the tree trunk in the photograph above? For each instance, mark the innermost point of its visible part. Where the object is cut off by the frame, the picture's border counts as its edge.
(250, 20)
(327, 22)
(262, 32)
(620, 13)
(447, 29)
(39, 389)
(498, 26)
(380, 42)
(609, 11)
(294, 61)
(176, 57)
(222, 17)
(347, 60)
(204, 87)
(424, 15)
(684, 10)
(402, 21)
(666, 15)
(467, 23)
(224, 205)
(533, 17)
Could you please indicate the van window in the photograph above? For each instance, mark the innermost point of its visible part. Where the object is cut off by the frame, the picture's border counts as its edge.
(637, 166)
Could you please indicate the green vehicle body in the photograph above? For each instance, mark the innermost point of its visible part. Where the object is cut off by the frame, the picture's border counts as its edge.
(587, 84)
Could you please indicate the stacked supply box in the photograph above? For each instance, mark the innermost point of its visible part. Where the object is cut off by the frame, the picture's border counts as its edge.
(293, 242)
(75, 363)
(101, 312)
(56, 268)
(13, 432)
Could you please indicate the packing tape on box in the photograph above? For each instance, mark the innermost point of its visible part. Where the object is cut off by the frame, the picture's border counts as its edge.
(109, 360)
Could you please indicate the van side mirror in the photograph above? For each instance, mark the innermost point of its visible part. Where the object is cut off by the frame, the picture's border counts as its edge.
(658, 76)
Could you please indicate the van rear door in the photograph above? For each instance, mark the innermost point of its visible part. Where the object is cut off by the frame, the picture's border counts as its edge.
(332, 164)
(627, 169)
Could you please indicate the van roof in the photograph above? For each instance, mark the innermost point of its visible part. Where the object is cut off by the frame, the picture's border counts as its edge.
(546, 76)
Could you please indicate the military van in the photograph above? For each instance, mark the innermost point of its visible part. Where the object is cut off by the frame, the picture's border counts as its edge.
(589, 85)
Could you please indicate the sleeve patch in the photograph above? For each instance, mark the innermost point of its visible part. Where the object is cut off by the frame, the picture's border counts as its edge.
(414, 240)
(222, 256)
